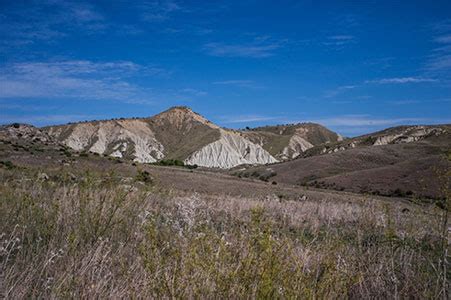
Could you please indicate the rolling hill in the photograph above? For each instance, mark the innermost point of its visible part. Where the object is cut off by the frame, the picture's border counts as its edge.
(400, 161)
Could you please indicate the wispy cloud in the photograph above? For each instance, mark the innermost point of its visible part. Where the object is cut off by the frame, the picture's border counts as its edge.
(341, 37)
(257, 51)
(339, 40)
(402, 80)
(31, 21)
(247, 119)
(194, 92)
(439, 60)
(444, 39)
(404, 102)
(239, 83)
(158, 10)
(366, 120)
(346, 21)
(72, 79)
(82, 12)
(338, 91)
(259, 47)
(439, 63)
(45, 119)
(412, 101)
(6, 105)
(441, 26)
(394, 80)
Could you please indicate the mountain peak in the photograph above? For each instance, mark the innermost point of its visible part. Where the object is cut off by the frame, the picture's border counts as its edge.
(182, 114)
(178, 110)
(182, 108)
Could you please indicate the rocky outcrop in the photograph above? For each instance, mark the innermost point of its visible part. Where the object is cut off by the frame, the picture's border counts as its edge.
(295, 147)
(119, 138)
(409, 135)
(229, 151)
(298, 142)
(24, 131)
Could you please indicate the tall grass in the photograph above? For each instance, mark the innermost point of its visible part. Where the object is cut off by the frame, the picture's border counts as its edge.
(98, 238)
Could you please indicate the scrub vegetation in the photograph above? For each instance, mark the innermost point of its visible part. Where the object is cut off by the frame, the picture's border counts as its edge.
(85, 236)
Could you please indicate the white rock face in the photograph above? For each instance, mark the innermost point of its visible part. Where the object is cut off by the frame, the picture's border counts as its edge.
(229, 151)
(386, 139)
(296, 146)
(146, 147)
(411, 134)
(119, 149)
(80, 137)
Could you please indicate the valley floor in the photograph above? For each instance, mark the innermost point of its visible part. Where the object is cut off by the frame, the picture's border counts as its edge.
(84, 226)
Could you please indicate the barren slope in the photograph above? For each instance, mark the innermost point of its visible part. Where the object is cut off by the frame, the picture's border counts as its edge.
(393, 135)
(412, 169)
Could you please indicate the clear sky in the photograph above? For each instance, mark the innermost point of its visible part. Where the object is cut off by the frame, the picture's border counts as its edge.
(354, 66)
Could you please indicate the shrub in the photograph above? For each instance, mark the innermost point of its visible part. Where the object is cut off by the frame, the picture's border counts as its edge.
(398, 193)
(7, 164)
(174, 162)
(143, 176)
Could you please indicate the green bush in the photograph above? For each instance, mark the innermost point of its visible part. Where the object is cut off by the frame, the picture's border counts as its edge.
(143, 176)
(174, 162)
(7, 164)
(171, 162)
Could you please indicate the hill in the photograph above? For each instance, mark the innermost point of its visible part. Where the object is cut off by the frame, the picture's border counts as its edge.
(106, 227)
(407, 160)
(288, 141)
(181, 134)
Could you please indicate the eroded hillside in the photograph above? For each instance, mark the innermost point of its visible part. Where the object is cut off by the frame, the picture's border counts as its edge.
(181, 134)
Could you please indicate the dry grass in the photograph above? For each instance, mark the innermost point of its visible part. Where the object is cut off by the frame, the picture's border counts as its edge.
(97, 238)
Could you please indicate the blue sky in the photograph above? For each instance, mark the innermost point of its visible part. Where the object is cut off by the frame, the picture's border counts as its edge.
(354, 66)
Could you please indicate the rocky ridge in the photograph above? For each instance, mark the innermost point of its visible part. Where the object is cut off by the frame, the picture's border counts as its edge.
(27, 132)
(394, 135)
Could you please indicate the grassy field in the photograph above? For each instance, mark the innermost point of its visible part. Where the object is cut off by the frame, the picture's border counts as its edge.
(82, 235)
